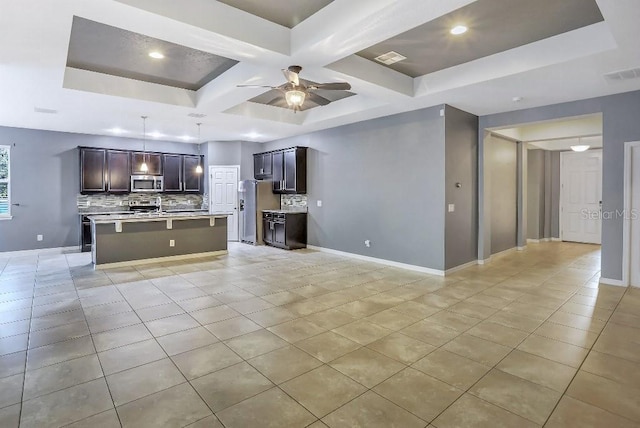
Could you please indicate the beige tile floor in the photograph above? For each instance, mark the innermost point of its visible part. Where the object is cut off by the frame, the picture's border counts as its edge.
(268, 338)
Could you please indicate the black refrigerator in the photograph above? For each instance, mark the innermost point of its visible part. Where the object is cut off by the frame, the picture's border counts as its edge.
(254, 197)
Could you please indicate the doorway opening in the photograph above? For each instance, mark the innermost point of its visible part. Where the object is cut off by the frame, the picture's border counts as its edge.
(539, 147)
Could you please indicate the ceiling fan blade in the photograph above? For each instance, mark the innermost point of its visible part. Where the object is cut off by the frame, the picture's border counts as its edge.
(256, 86)
(277, 101)
(291, 77)
(317, 99)
(337, 86)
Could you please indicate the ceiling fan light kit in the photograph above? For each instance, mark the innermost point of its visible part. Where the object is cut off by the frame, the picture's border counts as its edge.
(296, 91)
(295, 98)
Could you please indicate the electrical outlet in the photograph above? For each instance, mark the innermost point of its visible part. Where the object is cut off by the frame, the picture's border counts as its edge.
(172, 242)
(319, 203)
(452, 207)
(367, 243)
(39, 237)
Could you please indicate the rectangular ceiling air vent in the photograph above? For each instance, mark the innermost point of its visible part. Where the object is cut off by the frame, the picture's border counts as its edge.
(390, 58)
(197, 115)
(617, 76)
(45, 110)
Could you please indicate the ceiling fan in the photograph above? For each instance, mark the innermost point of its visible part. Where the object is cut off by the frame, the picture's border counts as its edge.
(297, 90)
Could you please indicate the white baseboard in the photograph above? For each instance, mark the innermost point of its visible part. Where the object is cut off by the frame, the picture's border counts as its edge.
(379, 261)
(464, 266)
(485, 261)
(56, 250)
(521, 248)
(608, 281)
(556, 239)
(538, 241)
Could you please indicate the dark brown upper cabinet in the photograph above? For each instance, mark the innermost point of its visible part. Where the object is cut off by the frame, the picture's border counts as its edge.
(118, 167)
(290, 171)
(192, 179)
(93, 170)
(109, 171)
(262, 166)
(172, 173)
(154, 163)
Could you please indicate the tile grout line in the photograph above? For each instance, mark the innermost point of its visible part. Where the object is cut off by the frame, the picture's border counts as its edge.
(585, 359)
(494, 367)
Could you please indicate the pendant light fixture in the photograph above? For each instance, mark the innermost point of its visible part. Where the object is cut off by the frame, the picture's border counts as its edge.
(199, 167)
(580, 147)
(144, 167)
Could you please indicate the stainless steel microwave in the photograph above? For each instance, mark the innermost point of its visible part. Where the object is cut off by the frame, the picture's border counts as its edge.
(146, 183)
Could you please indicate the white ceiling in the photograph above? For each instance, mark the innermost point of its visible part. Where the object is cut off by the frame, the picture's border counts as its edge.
(35, 40)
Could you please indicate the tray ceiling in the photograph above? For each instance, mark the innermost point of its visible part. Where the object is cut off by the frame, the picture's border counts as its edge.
(94, 74)
(109, 50)
(288, 13)
(494, 26)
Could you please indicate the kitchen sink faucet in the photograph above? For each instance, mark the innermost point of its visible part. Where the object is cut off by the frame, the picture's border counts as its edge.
(159, 203)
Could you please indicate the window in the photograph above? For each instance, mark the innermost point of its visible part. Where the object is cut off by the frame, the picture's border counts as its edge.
(5, 201)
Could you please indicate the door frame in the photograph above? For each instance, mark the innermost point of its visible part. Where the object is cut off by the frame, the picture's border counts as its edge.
(237, 167)
(626, 218)
(561, 204)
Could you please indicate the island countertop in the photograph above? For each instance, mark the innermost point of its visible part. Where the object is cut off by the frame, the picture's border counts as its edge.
(155, 216)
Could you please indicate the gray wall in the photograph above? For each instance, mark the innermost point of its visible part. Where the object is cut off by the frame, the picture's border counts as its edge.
(232, 153)
(45, 171)
(536, 194)
(620, 115)
(380, 180)
(461, 163)
(503, 162)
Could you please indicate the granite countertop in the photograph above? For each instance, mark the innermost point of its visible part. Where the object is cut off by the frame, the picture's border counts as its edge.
(287, 211)
(102, 212)
(163, 216)
(117, 212)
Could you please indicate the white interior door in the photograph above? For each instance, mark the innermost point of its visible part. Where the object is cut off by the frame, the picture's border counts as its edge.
(223, 182)
(581, 181)
(634, 217)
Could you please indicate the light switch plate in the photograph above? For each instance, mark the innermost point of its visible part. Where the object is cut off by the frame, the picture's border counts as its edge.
(39, 237)
(319, 203)
(452, 207)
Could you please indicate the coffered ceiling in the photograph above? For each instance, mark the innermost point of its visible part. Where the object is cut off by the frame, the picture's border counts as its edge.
(88, 61)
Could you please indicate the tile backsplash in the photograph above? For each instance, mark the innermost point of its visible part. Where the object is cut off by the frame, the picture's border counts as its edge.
(293, 201)
(101, 203)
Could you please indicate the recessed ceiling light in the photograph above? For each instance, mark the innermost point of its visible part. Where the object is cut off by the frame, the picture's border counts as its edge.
(155, 134)
(459, 29)
(156, 55)
(117, 131)
(516, 99)
(186, 138)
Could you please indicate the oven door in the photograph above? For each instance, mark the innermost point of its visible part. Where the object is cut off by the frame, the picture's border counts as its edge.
(145, 183)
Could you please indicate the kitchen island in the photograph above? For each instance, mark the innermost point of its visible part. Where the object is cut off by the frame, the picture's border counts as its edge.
(130, 239)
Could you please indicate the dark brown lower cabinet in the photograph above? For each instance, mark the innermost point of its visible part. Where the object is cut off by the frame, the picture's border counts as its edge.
(285, 230)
